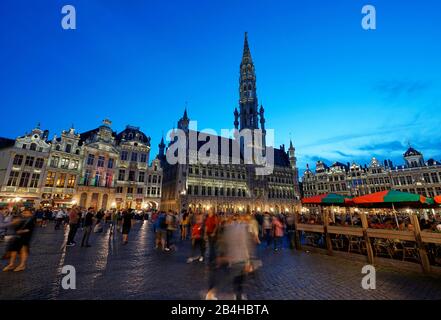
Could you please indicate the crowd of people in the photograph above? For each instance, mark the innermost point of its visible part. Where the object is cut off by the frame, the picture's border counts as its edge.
(230, 240)
(226, 241)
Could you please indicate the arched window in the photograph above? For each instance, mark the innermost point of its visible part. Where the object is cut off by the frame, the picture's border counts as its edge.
(33, 146)
(57, 148)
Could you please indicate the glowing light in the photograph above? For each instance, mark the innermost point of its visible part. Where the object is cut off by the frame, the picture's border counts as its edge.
(113, 204)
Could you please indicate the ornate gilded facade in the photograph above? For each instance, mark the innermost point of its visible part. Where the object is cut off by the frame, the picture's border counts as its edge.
(233, 187)
(415, 176)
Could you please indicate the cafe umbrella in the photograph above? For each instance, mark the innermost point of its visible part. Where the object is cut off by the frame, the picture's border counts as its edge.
(327, 199)
(392, 198)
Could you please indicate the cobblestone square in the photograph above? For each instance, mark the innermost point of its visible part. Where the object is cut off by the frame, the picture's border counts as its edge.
(110, 270)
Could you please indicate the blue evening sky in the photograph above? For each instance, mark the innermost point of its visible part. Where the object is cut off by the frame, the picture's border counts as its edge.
(340, 92)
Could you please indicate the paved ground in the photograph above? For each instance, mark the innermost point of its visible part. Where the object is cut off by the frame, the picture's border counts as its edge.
(109, 270)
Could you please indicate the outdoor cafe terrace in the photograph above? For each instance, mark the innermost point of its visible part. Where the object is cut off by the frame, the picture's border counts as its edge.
(387, 224)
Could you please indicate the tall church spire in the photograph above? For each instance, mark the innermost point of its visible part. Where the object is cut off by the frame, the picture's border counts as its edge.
(248, 104)
(246, 49)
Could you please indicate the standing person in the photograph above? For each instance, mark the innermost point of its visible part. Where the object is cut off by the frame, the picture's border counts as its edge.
(197, 239)
(46, 216)
(74, 219)
(267, 228)
(99, 221)
(127, 225)
(290, 229)
(24, 230)
(59, 217)
(87, 228)
(113, 222)
(211, 226)
(171, 221)
(185, 223)
(161, 230)
(278, 232)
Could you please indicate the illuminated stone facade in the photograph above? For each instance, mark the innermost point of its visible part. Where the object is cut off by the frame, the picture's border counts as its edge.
(233, 187)
(415, 176)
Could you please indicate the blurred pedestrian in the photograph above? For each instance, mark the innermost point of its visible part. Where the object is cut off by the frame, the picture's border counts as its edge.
(279, 230)
(74, 220)
(87, 228)
(21, 243)
(267, 228)
(172, 222)
(127, 219)
(197, 240)
(59, 218)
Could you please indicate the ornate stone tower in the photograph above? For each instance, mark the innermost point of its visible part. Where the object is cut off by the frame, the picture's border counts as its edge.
(184, 121)
(248, 104)
(161, 146)
(292, 156)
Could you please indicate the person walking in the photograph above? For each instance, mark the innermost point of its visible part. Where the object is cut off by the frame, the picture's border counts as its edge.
(74, 219)
(278, 232)
(290, 230)
(59, 217)
(127, 225)
(237, 243)
(211, 226)
(161, 230)
(267, 228)
(113, 223)
(171, 221)
(21, 243)
(197, 240)
(87, 228)
(185, 224)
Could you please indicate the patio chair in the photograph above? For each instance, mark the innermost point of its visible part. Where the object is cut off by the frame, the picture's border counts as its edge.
(354, 244)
